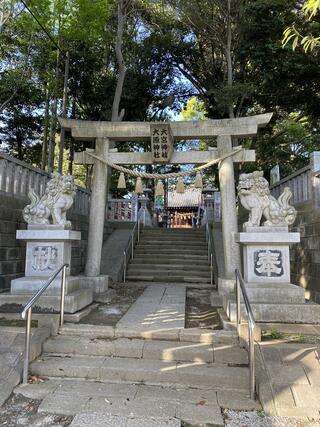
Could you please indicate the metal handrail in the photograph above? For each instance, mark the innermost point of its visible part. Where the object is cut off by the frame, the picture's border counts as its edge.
(27, 312)
(210, 250)
(240, 287)
(132, 241)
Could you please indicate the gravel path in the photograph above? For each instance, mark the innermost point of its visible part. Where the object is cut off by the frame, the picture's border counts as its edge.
(254, 419)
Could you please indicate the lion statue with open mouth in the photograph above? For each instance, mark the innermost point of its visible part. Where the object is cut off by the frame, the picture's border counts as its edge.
(254, 193)
(56, 201)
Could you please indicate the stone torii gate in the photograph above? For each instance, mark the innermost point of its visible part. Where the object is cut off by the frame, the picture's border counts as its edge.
(105, 132)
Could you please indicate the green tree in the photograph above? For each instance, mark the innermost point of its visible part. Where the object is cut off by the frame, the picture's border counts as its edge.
(296, 36)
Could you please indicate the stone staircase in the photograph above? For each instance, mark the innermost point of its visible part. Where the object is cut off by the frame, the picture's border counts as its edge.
(186, 379)
(148, 368)
(170, 255)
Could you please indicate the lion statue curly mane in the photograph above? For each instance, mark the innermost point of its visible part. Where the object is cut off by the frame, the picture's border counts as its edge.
(255, 196)
(56, 201)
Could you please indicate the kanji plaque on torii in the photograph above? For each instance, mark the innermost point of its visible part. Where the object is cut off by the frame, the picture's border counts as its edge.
(161, 142)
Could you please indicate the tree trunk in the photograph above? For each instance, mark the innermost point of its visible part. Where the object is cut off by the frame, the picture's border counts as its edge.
(71, 149)
(6, 14)
(64, 112)
(229, 57)
(122, 12)
(116, 116)
(19, 140)
(45, 130)
(53, 122)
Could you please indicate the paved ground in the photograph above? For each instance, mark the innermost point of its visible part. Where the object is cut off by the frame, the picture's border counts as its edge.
(160, 308)
(56, 404)
(291, 381)
(11, 355)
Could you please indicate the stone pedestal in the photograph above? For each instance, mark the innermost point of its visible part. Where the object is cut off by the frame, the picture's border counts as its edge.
(266, 256)
(266, 268)
(49, 247)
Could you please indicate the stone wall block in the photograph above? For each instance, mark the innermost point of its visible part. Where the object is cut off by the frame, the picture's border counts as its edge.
(315, 256)
(15, 253)
(7, 227)
(8, 240)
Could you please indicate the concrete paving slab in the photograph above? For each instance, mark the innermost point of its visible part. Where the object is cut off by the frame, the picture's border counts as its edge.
(313, 376)
(187, 395)
(306, 355)
(92, 419)
(8, 383)
(63, 404)
(271, 353)
(135, 408)
(306, 414)
(158, 309)
(7, 338)
(283, 396)
(200, 414)
(288, 374)
(236, 401)
(95, 389)
(9, 358)
(37, 391)
(307, 396)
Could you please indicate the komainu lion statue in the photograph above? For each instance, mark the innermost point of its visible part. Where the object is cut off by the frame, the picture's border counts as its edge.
(56, 201)
(254, 194)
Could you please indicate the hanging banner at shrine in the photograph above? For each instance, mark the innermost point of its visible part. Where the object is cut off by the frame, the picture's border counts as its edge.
(161, 142)
(159, 202)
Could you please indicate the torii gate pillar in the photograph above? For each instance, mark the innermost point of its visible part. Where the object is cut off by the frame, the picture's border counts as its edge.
(98, 210)
(231, 250)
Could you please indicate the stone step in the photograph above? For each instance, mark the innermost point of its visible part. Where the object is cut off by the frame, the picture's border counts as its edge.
(164, 239)
(173, 231)
(146, 349)
(170, 250)
(164, 266)
(109, 369)
(275, 292)
(166, 243)
(190, 335)
(178, 243)
(278, 312)
(144, 277)
(165, 271)
(166, 259)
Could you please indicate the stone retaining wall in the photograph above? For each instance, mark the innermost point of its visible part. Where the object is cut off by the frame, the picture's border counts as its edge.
(305, 256)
